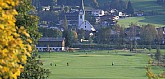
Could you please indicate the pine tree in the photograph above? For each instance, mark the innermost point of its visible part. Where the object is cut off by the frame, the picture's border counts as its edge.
(129, 9)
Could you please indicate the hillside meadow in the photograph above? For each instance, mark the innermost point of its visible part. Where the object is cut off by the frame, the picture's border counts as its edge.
(157, 20)
(147, 6)
(96, 65)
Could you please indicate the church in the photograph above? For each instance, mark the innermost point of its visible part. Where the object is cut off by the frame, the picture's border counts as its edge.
(82, 23)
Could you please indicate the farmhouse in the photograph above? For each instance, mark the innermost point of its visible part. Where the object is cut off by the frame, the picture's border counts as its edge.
(51, 44)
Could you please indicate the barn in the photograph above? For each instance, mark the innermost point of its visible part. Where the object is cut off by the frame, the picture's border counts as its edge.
(46, 44)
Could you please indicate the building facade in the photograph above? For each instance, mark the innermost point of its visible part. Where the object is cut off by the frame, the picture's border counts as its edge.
(82, 23)
(46, 44)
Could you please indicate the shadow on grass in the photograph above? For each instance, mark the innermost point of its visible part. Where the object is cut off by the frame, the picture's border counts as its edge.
(84, 56)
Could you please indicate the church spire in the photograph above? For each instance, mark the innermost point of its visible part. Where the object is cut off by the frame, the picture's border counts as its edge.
(82, 5)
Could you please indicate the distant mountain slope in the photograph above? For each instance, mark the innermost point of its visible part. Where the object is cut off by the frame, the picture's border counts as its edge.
(158, 20)
(147, 6)
(144, 5)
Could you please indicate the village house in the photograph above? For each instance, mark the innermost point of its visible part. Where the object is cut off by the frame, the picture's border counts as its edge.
(50, 44)
(45, 8)
(98, 13)
(72, 18)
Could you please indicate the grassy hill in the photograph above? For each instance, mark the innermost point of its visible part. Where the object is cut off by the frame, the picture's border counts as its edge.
(147, 6)
(158, 20)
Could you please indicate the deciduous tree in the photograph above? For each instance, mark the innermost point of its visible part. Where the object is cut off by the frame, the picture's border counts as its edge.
(33, 69)
(148, 34)
(103, 36)
(14, 50)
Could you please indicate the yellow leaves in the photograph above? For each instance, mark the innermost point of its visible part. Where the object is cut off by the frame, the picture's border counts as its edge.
(29, 48)
(5, 69)
(24, 58)
(17, 73)
(13, 49)
(29, 40)
(23, 31)
(15, 12)
(1, 27)
(4, 52)
(4, 5)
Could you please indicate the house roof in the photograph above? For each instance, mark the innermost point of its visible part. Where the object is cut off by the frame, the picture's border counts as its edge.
(50, 39)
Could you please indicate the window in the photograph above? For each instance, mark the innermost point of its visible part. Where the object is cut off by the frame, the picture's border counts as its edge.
(80, 16)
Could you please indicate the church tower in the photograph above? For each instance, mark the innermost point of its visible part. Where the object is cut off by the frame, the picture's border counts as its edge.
(81, 18)
(82, 23)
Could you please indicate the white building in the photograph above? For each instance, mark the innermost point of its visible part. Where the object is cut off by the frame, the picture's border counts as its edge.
(82, 23)
(98, 13)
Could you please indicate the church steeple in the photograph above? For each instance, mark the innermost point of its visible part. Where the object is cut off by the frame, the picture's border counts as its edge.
(81, 14)
(82, 23)
(82, 5)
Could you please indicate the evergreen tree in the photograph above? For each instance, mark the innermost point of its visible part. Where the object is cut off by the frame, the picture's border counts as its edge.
(66, 33)
(118, 4)
(67, 36)
(129, 9)
(65, 23)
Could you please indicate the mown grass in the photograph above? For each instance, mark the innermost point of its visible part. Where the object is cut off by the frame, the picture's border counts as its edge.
(96, 65)
(158, 20)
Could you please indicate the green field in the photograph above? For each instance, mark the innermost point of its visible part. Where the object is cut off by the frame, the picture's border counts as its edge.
(147, 6)
(158, 20)
(96, 65)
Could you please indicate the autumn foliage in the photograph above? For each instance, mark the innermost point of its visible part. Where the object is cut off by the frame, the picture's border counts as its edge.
(13, 49)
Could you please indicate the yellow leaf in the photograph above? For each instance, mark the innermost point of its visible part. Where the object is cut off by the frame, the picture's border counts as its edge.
(1, 26)
(29, 41)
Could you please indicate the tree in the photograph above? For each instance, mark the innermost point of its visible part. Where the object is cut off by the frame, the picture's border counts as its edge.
(30, 22)
(81, 34)
(129, 9)
(158, 54)
(132, 33)
(160, 36)
(103, 35)
(66, 9)
(66, 33)
(48, 16)
(119, 35)
(74, 36)
(150, 74)
(95, 4)
(148, 34)
(118, 4)
(68, 38)
(47, 32)
(65, 23)
(14, 50)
